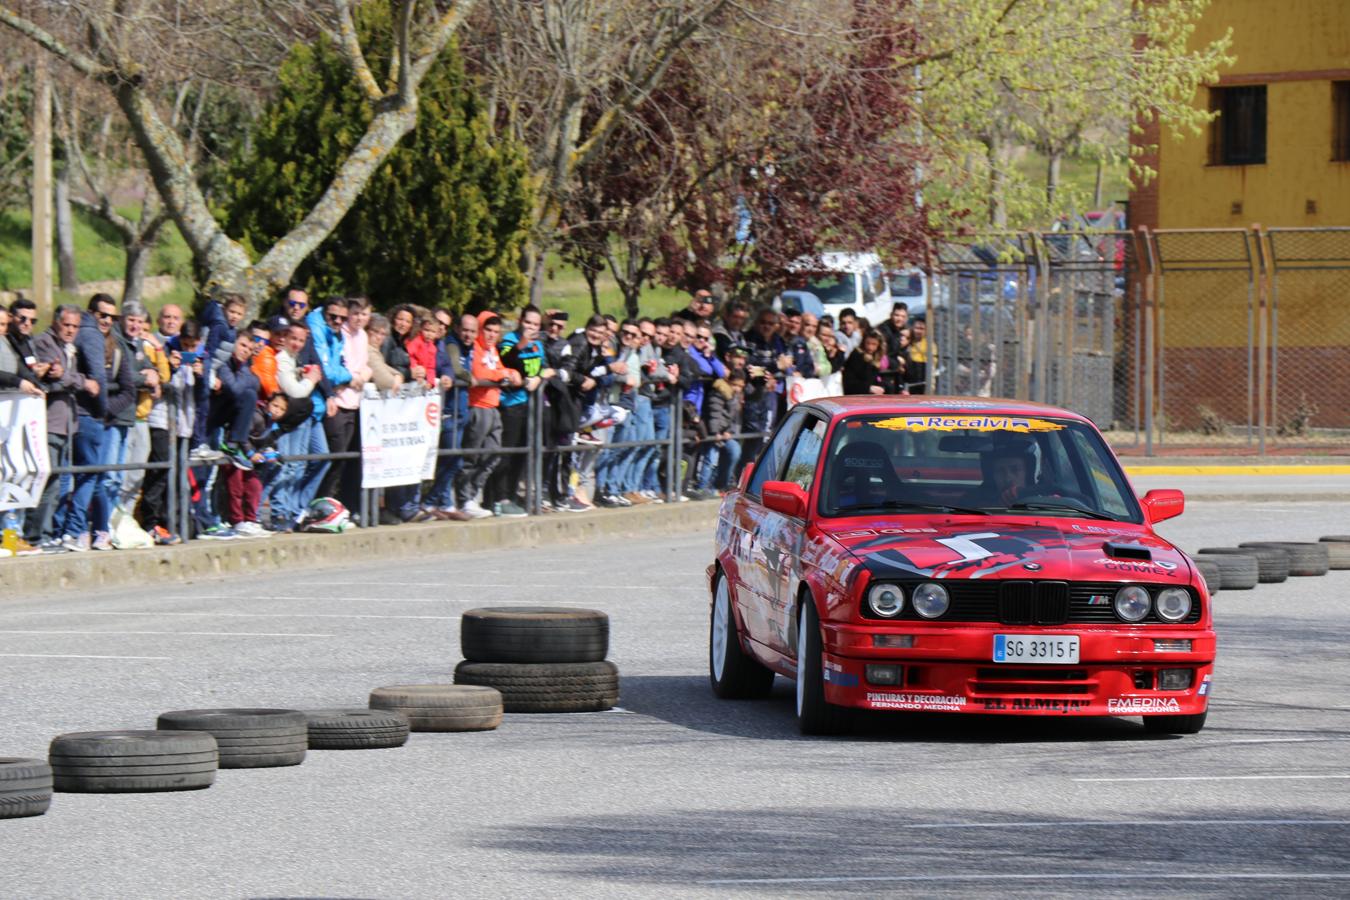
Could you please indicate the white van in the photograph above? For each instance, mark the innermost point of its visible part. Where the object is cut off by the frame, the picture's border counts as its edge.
(838, 281)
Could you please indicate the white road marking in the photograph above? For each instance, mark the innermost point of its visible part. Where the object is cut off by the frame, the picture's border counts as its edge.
(1050, 876)
(73, 656)
(183, 633)
(224, 615)
(1217, 778)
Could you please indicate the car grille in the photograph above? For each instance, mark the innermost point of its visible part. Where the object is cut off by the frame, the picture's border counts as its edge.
(1019, 602)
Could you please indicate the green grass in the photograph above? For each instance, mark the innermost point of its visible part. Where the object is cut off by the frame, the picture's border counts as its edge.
(1078, 177)
(565, 288)
(98, 250)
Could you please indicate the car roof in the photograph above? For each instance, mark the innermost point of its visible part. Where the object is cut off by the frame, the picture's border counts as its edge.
(921, 404)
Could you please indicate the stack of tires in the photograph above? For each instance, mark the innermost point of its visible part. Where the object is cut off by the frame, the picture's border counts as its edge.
(1210, 571)
(1305, 558)
(541, 659)
(1240, 569)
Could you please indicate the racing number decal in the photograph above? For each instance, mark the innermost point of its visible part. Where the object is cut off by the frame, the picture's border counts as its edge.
(964, 545)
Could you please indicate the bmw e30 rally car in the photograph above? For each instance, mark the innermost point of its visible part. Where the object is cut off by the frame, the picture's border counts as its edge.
(954, 555)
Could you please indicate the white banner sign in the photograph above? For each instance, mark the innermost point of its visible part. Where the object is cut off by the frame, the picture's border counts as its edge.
(399, 439)
(24, 465)
(799, 389)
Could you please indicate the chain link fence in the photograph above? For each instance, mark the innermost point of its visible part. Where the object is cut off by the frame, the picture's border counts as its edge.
(1227, 340)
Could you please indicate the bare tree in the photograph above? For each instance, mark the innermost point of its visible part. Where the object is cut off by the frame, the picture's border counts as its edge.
(564, 74)
(134, 47)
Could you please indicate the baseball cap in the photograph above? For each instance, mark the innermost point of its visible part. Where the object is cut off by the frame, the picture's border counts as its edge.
(278, 323)
(738, 351)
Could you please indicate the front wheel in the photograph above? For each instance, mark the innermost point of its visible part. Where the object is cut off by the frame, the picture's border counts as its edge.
(814, 714)
(734, 674)
(1175, 724)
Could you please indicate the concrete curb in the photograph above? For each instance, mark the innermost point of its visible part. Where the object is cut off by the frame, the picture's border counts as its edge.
(207, 559)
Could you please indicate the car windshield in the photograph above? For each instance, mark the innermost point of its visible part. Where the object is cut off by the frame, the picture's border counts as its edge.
(973, 461)
(832, 288)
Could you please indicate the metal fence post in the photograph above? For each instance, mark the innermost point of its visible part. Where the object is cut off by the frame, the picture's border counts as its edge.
(673, 483)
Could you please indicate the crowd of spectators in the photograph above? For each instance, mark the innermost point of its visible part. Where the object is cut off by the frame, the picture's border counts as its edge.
(269, 409)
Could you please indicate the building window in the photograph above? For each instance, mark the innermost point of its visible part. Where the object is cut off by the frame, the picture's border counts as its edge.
(1340, 121)
(1238, 135)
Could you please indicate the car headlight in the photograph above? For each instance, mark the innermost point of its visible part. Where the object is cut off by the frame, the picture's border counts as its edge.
(1173, 604)
(886, 600)
(1132, 603)
(930, 600)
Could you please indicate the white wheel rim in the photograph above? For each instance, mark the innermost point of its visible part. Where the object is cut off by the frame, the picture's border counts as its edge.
(720, 628)
(801, 666)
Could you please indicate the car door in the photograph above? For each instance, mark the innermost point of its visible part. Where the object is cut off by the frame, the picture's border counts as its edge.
(753, 566)
(783, 536)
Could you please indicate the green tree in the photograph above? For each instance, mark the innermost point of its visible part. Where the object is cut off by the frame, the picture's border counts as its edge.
(441, 222)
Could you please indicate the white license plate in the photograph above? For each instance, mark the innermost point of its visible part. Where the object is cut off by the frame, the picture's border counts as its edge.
(1036, 648)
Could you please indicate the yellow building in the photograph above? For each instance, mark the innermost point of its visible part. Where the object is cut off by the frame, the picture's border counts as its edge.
(1231, 339)
(1279, 153)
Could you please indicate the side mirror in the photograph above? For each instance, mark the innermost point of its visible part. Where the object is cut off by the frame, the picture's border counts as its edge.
(1163, 504)
(785, 497)
(746, 474)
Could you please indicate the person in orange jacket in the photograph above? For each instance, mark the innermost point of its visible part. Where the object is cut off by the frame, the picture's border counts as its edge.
(484, 430)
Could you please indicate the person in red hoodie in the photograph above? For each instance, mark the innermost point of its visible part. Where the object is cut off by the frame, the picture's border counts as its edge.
(484, 430)
(422, 351)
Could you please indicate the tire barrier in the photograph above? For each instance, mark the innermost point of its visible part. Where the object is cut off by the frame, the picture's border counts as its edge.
(546, 687)
(442, 707)
(531, 634)
(1304, 558)
(1237, 572)
(356, 729)
(102, 762)
(541, 659)
(25, 787)
(1272, 563)
(1209, 570)
(247, 738)
(1338, 550)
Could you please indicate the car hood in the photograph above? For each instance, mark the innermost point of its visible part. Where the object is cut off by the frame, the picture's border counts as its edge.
(996, 548)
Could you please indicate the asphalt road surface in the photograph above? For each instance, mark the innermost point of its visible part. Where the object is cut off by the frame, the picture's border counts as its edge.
(676, 793)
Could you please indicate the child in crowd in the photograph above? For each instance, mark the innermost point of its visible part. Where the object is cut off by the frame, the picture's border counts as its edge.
(244, 486)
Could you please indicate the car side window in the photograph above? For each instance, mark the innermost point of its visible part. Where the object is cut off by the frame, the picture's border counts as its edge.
(801, 467)
(770, 462)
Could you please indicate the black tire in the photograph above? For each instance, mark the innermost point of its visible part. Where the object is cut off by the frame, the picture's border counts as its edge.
(733, 673)
(534, 634)
(356, 729)
(442, 707)
(1338, 550)
(546, 687)
(1272, 563)
(124, 761)
(1304, 558)
(1175, 724)
(247, 738)
(1209, 569)
(814, 714)
(25, 787)
(1237, 572)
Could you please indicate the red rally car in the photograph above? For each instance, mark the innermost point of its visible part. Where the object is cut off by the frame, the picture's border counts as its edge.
(954, 555)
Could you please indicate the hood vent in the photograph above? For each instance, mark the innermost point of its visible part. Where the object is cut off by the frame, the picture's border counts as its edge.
(1127, 551)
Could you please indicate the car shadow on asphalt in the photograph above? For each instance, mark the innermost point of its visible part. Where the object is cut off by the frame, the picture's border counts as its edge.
(688, 701)
(882, 848)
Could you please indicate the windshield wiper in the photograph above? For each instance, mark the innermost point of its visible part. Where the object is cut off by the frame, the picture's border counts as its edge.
(906, 504)
(1083, 511)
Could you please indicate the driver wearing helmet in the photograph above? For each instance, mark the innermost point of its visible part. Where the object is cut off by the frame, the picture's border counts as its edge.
(1009, 474)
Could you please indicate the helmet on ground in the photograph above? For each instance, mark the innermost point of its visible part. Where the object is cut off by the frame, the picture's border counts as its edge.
(325, 515)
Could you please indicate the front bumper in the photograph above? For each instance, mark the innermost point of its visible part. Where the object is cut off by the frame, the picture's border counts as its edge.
(951, 669)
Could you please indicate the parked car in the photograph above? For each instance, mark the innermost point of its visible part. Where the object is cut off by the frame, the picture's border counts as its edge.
(953, 555)
(837, 281)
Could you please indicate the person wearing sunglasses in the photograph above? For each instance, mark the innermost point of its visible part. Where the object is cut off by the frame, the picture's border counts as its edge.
(23, 322)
